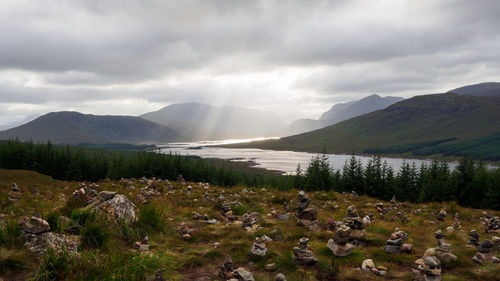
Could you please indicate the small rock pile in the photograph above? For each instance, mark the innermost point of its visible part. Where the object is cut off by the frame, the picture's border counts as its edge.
(396, 243)
(146, 194)
(14, 193)
(142, 246)
(473, 239)
(484, 252)
(354, 223)
(305, 215)
(38, 238)
(227, 214)
(493, 225)
(369, 266)
(303, 256)
(441, 216)
(226, 271)
(381, 209)
(181, 180)
(184, 231)
(443, 249)
(258, 249)
(250, 220)
(340, 244)
(456, 223)
(427, 268)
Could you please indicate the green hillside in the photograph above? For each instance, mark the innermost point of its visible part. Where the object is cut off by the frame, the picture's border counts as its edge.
(451, 124)
(75, 128)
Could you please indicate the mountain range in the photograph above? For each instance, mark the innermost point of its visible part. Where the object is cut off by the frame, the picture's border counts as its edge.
(74, 128)
(448, 124)
(340, 112)
(197, 121)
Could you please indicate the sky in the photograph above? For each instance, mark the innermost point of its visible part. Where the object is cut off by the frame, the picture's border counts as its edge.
(294, 58)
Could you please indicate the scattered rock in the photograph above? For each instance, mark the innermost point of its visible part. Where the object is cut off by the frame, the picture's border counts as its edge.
(243, 275)
(279, 277)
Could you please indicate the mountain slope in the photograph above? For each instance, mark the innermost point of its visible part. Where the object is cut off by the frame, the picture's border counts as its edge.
(340, 112)
(487, 89)
(74, 127)
(366, 105)
(205, 121)
(422, 120)
(16, 123)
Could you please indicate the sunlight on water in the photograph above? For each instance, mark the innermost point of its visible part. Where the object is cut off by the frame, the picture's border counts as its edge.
(285, 161)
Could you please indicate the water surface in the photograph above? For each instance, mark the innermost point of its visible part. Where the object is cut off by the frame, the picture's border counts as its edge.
(285, 161)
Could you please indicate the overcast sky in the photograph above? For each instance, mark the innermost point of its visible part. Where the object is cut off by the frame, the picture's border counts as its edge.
(296, 58)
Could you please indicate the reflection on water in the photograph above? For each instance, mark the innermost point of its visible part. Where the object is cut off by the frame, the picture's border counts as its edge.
(285, 161)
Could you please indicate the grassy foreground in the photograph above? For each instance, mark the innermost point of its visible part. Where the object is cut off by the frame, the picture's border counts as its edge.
(112, 257)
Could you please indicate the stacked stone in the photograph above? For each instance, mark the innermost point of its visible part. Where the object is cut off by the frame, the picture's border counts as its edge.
(354, 223)
(227, 213)
(473, 239)
(14, 193)
(493, 225)
(305, 215)
(181, 180)
(427, 268)
(484, 252)
(226, 270)
(146, 194)
(280, 277)
(381, 209)
(258, 249)
(441, 216)
(250, 219)
(303, 256)
(456, 223)
(443, 249)
(396, 243)
(184, 231)
(369, 266)
(340, 244)
(38, 238)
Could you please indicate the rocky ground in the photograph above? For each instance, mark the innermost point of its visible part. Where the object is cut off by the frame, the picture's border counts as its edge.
(159, 230)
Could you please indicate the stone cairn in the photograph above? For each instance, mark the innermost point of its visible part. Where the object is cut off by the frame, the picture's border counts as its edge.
(303, 256)
(441, 216)
(369, 266)
(258, 250)
(427, 268)
(456, 223)
(484, 252)
(396, 243)
(14, 193)
(142, 246)
(226, 270)
(381, 209)
(38, 238)
(307, 216)
(493, 225)
(227, 214)
(250, 220)
(340, 244)
(443, 249)
(473, 239)
(184, 231)
(181, 180)
(354, 223)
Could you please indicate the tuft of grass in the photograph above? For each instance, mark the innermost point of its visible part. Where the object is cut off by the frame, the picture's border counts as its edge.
(54, 266)
(239, 210)
(10, 235)
(54, 221)
(150, 220)
(94, 236)
(11, 260)
(82, 217)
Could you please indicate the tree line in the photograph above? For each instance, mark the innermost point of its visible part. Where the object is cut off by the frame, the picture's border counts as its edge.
(471, 183)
